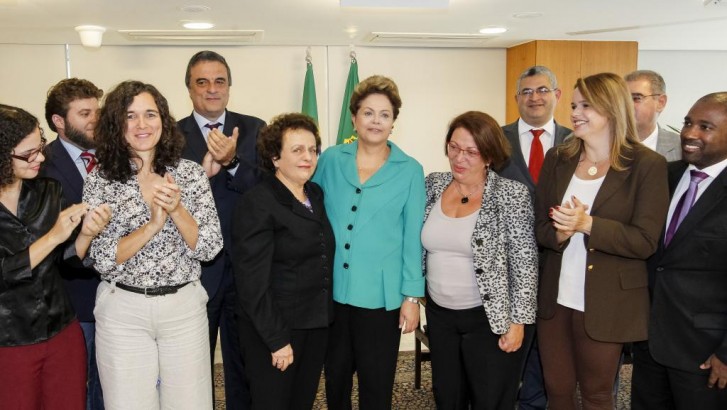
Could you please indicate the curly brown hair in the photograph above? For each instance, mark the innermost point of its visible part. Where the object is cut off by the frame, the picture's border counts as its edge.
(62, 94)
(270, 142)
(113, 151)
(376, 84)
(15, 125)
(489, 138)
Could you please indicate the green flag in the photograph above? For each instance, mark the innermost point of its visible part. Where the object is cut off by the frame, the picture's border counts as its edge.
(310, 105)
(346, 134)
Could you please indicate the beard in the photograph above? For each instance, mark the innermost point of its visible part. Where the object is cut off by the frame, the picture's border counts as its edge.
(79, 137)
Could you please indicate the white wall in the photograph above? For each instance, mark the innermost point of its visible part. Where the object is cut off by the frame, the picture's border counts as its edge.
(435, 84)
(689, 75)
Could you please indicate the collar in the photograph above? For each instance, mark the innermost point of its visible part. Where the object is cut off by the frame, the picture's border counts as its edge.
(73, 150)
(523, 127)
(396, 154)
(713, 170)
(202, 121)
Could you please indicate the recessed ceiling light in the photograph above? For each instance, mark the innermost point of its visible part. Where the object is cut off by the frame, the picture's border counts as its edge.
(528, 15)
(198, 25)
(493, 30)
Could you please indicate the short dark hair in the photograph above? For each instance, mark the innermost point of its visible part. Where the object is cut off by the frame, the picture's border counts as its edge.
(15, 125)
(656, 81)
(376, 84)
(206, 55)
(270, 143)
(63, 93)
(113, 151)
(488, 136)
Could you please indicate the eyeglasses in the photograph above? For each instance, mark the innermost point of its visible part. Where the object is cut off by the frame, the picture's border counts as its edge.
(640, 97)
(453, 151)
(528, 92)
(32, 155)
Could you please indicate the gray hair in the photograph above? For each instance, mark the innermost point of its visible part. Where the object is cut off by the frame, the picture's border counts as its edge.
(538, 70)
(658, 86)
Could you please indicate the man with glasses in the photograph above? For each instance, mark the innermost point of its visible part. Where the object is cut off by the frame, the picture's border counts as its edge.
(531, 136)
(70, 110)
(224, 142)
(648, 91)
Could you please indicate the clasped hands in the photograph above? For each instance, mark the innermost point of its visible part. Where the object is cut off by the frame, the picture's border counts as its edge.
(92, 221)
(167, 197)
(283, 357)
(221, 149)
(569, 218)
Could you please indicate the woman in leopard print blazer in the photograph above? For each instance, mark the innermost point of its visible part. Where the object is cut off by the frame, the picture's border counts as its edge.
(481, 262)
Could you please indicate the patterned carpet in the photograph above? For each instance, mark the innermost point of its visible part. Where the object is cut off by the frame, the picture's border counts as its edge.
(405, 395)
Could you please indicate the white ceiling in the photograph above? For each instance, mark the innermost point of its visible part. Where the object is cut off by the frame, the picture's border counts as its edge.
(655, 24)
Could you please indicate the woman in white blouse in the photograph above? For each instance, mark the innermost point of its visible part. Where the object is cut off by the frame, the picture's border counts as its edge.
(481, 263)
(151, 324)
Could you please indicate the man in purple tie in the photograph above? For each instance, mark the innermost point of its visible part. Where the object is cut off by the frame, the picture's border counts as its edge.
(224, 142)
(683, 365)
(70, 110)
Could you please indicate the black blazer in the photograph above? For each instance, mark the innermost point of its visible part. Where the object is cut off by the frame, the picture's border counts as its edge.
(226, 188)
(81, 283)
(282, 255)
(688, 282)
(516, 167)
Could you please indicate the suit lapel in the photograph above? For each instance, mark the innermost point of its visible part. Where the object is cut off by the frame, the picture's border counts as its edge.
(196, 144)
(66, 169)
(712, 197)
(611, 184)
(517, 151)
(563, 173)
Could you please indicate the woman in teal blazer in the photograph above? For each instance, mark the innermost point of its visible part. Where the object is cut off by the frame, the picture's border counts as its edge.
(374, 197)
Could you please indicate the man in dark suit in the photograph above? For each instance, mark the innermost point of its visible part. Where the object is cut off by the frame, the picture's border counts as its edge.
(648, 90)
(683, 365)
(224, 143)
(70, 110)
(530, 137)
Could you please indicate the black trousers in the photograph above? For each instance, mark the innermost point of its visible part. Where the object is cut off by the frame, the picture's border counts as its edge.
(221, 315)
(654, 386)
(365, 341)
(469, 371)
(296, 387)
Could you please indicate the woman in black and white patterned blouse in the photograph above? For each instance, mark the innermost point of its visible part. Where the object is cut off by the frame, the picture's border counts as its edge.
(152, 337)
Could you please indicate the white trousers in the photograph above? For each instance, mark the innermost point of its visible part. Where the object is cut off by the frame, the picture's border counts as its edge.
(153, 352)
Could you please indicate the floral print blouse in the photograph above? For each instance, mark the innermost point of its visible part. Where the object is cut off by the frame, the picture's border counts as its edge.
(165, 260)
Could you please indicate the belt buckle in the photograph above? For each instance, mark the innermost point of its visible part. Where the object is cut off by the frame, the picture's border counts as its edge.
(145, 294)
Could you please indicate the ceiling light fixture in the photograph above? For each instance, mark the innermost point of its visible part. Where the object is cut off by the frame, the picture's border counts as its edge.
(198, 25)
(493, 30)
(91, 36)
(527, 15)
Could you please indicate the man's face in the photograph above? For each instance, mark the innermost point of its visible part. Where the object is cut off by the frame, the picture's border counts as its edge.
(538, 108)
(704, 135)
(648, 108)
(79, 123)
(209, 88)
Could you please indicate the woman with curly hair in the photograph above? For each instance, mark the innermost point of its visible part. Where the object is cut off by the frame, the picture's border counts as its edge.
(151, 324)
(42, 352)
(283, 258)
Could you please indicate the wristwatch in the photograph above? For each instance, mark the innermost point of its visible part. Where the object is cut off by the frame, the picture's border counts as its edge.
(233, 163)
(412, 299)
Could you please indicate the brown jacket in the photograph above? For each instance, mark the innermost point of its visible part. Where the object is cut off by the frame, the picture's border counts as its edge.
(628, 217)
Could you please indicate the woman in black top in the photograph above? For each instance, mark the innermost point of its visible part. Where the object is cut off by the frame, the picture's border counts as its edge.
(39, 335)
(282, 256)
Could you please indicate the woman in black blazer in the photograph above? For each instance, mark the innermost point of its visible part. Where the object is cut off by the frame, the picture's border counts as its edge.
(282, 257)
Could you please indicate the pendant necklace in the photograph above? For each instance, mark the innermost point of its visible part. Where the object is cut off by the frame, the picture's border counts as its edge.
(593, 170)
(465, 198)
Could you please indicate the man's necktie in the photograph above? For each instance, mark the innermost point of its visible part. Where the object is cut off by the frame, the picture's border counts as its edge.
(684, 205)
(213, 126)
(536, 155)
(89, 160)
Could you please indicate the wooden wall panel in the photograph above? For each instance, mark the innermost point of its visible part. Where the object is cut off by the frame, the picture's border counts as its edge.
(518, 59)
(620, 57)
(564, 59)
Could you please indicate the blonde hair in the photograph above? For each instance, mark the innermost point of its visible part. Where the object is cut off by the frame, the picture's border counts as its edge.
(609, 95)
